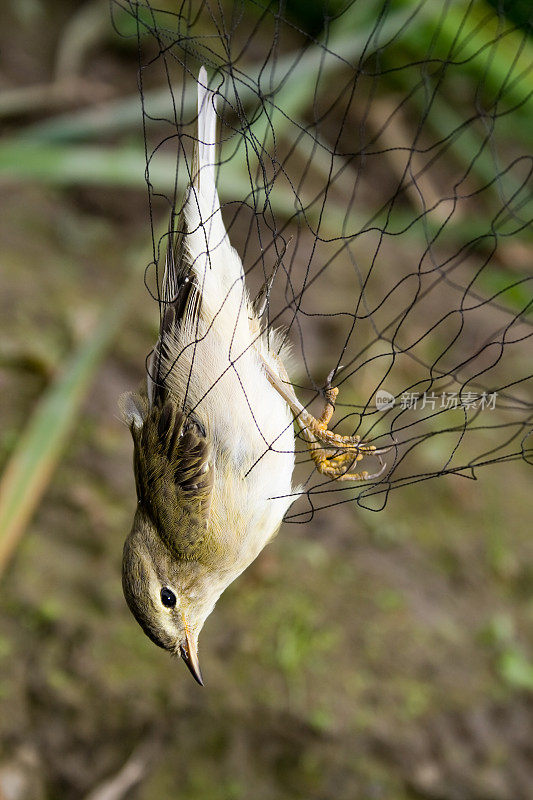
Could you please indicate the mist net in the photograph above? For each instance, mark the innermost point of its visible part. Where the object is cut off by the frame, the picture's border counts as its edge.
(377, 153)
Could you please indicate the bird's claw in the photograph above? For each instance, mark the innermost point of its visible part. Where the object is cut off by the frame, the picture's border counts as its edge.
(337, 467)
(320, 439)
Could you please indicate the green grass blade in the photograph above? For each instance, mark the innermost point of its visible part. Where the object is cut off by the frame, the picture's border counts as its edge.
(496, 55)
(41, 444)
(70, 165)
(105, 119)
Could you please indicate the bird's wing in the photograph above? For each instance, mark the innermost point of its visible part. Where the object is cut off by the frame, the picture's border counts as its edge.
(174, 477)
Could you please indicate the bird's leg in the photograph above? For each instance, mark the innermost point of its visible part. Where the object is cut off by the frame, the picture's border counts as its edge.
(320, 439)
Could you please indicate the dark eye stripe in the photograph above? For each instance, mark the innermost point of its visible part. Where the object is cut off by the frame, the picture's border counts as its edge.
(168, 598)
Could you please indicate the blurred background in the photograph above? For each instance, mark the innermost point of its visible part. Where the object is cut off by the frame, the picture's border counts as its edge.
(383, 647)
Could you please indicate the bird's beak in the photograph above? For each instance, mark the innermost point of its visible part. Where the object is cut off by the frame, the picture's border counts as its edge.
(189, 654)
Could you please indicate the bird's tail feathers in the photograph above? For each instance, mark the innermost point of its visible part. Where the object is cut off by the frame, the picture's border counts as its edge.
(206, 233)
(214, 262)
(206, 306)
(204, 162)
(200, 230)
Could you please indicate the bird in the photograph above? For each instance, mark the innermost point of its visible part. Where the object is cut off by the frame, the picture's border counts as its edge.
(213, 425)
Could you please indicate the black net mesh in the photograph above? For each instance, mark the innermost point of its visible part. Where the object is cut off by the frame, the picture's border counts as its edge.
(378, 152)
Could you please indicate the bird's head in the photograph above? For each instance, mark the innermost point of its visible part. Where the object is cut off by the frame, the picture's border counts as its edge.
(169, 597)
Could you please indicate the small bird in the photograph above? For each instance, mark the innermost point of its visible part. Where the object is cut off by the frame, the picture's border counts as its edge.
(213, 426)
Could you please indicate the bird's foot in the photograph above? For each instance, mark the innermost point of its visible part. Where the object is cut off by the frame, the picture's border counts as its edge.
(320, 440)
(352, 449)
(337, 466)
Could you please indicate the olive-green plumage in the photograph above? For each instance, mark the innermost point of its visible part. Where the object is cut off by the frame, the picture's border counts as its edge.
(173, 478)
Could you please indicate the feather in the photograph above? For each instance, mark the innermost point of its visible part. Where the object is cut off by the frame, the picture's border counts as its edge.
(211, 256)
(204, 177)
(174, 477)
(203, 283)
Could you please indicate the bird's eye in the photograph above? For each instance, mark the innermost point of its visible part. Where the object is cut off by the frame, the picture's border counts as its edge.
(168, 598)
